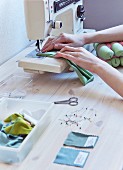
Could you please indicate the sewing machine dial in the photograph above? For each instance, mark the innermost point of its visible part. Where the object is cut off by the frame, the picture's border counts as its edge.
(58, 5)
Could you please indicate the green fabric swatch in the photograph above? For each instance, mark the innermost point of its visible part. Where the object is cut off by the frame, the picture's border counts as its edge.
(19, 126)
(13, 117)
(84, 75)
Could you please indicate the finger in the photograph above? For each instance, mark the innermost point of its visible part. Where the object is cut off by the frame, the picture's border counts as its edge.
(49, 39)
(70, 48)
(75, 54)
(49, 47)
(68, 57)
(59, 46)
(63, 55)
(52, 45)
(47, 43)
(58, 40)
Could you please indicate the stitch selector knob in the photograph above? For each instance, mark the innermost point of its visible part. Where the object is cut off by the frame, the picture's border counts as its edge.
(80, 12)
(57, 24)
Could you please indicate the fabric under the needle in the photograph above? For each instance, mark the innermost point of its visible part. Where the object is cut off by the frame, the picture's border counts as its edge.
(84, 75)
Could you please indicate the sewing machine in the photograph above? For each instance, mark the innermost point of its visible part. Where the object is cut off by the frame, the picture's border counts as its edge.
(46, 18)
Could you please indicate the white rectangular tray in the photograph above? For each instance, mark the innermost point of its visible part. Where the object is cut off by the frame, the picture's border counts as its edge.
(39, 110)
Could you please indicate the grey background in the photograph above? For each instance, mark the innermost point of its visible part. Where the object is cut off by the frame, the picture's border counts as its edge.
(101, 14)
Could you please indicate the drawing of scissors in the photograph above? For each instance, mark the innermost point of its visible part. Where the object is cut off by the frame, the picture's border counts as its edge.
(73, 101)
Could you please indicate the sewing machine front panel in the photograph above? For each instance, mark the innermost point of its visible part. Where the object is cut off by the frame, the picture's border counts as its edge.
(66, 12)
(42, 14)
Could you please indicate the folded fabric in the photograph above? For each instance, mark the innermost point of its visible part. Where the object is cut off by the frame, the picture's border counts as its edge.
(71, 157)
(81, 140)
(121, 61)
(84, 75)
(7, 139)
(10, 140)
(18, 125)
(115, 62)
(47, 54)
(103, 51)
(13, 117)
(117, 48)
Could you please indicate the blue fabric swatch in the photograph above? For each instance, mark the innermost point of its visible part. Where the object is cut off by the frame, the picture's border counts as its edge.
(71, 157)
(8, 139)
(81, 140)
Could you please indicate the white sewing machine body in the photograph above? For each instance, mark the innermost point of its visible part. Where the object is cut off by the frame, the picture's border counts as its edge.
(43, 18)
(40, 16)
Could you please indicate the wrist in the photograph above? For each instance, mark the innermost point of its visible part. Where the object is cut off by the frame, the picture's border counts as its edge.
(88, 38)
(100, 66)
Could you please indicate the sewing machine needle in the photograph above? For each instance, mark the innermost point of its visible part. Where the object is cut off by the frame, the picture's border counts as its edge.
(39, 45)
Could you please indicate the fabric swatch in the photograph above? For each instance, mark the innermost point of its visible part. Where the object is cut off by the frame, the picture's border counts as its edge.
(9, 140)
(17, 126)
(81, 140)
(71, 157)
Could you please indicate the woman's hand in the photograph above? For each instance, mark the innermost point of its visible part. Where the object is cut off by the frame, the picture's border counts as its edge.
(62, 40)
(88, 61)
(81, 57)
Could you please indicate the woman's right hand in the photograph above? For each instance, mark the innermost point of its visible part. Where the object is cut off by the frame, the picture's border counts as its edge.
(81, 57)
(62, 40)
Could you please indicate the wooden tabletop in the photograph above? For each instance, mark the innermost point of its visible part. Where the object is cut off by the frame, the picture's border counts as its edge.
(94, 98)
